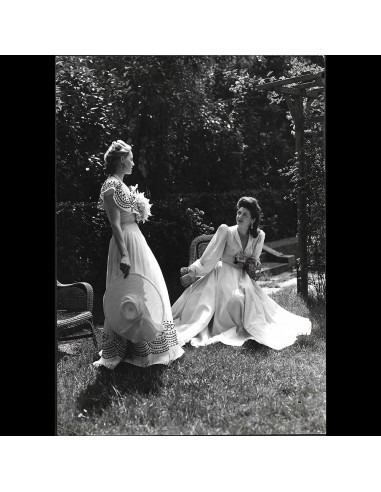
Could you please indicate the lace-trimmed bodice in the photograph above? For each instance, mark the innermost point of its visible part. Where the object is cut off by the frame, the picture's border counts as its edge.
(122, 196)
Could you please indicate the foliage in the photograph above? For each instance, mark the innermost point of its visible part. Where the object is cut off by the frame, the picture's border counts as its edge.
(196, 122)
(217, 390)
(83, 234)
(316, 210)
(313, 186)
(317, 280)
(278, 214)
(85, 123)
(196, 218)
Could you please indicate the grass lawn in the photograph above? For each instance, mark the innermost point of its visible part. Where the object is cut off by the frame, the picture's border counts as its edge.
(214, 390)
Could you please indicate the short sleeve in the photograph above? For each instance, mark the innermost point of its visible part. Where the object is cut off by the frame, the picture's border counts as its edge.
(121, 198)
(109, 192)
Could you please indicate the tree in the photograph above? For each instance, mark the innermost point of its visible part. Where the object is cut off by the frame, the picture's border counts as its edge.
(191, 119)
(85, 121)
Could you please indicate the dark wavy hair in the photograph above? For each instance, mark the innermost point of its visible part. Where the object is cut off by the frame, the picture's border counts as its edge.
(255, 211)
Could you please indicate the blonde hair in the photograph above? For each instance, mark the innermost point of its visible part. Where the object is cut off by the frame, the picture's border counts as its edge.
(113, 154)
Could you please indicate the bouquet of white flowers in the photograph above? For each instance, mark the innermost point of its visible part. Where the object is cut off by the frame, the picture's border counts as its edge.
(141, 203)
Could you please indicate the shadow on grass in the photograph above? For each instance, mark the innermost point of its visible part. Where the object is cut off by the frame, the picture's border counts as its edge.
(78, 348)
(302, 342)
(67, 350)
(125, 379)
(62, 355)
(254, 348)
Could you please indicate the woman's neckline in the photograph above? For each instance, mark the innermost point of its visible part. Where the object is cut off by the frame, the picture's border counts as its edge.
(116, 177)
(245, 236)
(248, 237)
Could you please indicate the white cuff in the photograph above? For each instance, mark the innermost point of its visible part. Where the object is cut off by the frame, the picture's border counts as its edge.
(197, 268)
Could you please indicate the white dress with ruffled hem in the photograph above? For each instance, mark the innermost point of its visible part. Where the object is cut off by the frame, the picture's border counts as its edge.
(226, 305)
(165, 348)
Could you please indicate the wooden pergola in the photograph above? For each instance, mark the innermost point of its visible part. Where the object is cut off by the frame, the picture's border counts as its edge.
(299, 93)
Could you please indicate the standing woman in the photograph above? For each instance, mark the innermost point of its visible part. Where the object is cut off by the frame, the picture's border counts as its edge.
(138, 324)
(225, 304)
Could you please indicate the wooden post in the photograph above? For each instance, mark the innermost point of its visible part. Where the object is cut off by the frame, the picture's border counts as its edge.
(301, 198)
(312, 85)
(296, 109)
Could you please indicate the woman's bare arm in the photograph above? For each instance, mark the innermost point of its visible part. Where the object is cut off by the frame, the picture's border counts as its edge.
(113, 214)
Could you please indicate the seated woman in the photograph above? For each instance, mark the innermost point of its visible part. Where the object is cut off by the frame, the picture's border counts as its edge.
(225, 304)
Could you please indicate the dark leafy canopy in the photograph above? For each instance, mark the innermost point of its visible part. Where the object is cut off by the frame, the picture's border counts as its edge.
(195, 122)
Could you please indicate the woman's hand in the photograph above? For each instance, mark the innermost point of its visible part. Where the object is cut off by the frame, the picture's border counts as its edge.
(257, 263)
(254, 261)
(125, 266)
(188, 278)
(240, 257)
(184, 271)
(253, 267)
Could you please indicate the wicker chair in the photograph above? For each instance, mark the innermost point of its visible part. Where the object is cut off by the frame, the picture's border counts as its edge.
(75, 312)
(197, 248)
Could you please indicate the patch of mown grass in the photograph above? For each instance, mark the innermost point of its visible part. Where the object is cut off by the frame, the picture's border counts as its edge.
(214, 390)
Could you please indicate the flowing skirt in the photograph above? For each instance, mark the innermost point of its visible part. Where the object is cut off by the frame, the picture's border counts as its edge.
(165, 348)
(227, 306)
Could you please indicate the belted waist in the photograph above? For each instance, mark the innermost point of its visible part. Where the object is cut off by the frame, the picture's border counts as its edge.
(230, 259)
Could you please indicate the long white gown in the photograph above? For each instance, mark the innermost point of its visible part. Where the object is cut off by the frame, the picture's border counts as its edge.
(165, 348)
(226, 305)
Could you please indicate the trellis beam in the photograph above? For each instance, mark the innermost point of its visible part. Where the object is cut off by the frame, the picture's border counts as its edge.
(311, 84)
(278, 83)
(300, 92)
